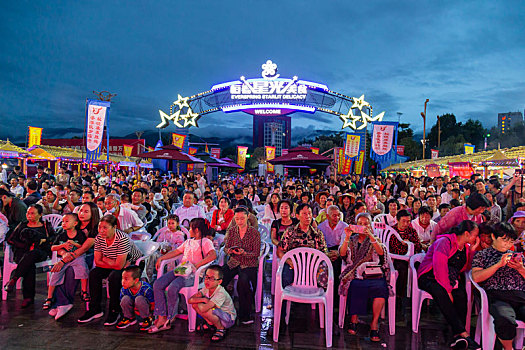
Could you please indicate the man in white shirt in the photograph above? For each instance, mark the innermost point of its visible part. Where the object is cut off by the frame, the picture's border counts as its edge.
(16, 189)
(333, 229)
(424, 226)
(201, 182)
(128, 220)
(189, 210)
(446, 197)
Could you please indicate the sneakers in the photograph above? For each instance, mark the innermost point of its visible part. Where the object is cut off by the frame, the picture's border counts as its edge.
(146, 324)
(112, 318)
(126, 322)
(62, 310)
(90, 316)
(472, 344)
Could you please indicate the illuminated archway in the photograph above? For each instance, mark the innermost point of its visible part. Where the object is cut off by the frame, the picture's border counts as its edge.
(270, 95)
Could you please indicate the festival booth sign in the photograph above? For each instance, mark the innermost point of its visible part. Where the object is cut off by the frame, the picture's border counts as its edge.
(178, 140)
(469, 149)
(241, 156)
(401, 150)
(433, 170)
(97, 113)
(434, 153)
(270, 154)
(461, 169)
(216, 152)
(284, 151)
(315, 150)
(170, 152)
(191, 152)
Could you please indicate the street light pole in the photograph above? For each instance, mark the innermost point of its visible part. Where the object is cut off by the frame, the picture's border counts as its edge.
(424, 115)
(439, 131)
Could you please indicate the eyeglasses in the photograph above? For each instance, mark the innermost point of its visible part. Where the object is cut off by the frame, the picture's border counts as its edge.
(209, 278)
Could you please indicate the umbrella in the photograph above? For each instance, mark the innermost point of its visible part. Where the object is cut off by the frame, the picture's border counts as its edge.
(301, 156)
(170, 153)
(231, 163)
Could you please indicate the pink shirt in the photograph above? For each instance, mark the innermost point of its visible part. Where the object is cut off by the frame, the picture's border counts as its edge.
(454, 218)
(175, 239)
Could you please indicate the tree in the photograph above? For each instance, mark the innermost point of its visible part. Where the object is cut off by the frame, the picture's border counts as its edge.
(405, 137)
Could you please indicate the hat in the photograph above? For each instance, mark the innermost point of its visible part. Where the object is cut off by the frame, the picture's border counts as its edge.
(518, 214)
(318, 195)
(345, 195)
(52, 189)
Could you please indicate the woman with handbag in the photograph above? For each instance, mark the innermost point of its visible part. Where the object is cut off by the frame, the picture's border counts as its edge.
(366, 273)
(196, 251)
(31, 242)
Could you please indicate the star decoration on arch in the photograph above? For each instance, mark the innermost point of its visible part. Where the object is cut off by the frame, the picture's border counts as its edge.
(361, 120)
(181, 101)
(190, 118)
(178, 118)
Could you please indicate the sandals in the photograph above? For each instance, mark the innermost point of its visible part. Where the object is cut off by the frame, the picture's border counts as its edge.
(204, 327)
(84, 296)
(352, 329)
(47, 304)
(164, 327)
(218, 335)
(374, 335)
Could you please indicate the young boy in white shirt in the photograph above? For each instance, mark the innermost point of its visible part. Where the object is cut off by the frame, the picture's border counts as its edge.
(214, 304)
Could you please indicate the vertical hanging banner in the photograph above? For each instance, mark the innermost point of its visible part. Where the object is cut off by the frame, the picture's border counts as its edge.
(270, 154)
(216, 152)
(347, 166)
(340, 159)
(191, 151)
(241, 156)
(469, 149)
(352, 145)
(461, 169)
(401, 150)
(359, 163)
(178, 140)
(127, 150)
(434, 153)
(284, 151)
(96, 115)
(384, 143)
(35, 135)
(315, 150)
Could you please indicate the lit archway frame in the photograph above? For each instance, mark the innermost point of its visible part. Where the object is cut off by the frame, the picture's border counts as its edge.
(270, 95)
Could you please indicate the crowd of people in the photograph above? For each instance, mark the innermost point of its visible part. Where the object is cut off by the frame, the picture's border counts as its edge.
(461, 225)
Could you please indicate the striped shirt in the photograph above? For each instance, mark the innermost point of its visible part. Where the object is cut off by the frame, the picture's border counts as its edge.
(121, 245)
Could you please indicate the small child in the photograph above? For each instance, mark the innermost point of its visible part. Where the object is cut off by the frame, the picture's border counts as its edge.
(171, 233)
(214, 304)
(66, 244)
(135, 294)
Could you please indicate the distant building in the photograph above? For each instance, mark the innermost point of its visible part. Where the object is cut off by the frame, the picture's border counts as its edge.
(272, 131)
(506, 120)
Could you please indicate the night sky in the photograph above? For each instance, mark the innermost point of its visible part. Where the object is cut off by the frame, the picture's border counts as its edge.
(467, 57)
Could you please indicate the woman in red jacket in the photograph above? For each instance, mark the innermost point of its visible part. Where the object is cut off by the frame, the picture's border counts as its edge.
(222, 217)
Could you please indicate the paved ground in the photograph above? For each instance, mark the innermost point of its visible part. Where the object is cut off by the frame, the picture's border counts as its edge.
(34, 329)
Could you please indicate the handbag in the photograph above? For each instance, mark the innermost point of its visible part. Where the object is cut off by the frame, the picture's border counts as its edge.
(372, 272)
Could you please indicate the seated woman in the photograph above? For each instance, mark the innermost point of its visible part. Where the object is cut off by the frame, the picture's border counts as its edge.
(442, 270)
(198, 251)
(502, 274)
(280, 225)
(243, 246)
(222, 217)
(361, 250)
(358, 208)
(300, 235)
(31, 242)
(114, 250)
(271, 210)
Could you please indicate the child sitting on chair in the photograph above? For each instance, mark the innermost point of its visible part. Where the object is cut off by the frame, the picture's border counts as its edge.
(135, 295)
(69, 239)
(214, 304)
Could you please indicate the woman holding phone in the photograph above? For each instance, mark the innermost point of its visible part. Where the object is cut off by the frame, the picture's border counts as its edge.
(366, 273)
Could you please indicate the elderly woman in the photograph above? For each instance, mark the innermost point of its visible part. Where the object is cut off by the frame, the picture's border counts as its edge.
(502, 274)
(114, 250)
(302, 234)
(365, 275)
(243, 246)
(31, 242)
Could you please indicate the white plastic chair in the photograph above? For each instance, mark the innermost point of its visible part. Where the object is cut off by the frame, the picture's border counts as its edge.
(265, 233)
(485, 324)
(209, 216)
(384, 233)
(54, 219)
(304, 288)
(391, 301)
(140, 236)
(10, 265)
(419, 295)
(275, 265)
(188, 292)
(380, 218)
(259, 208)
